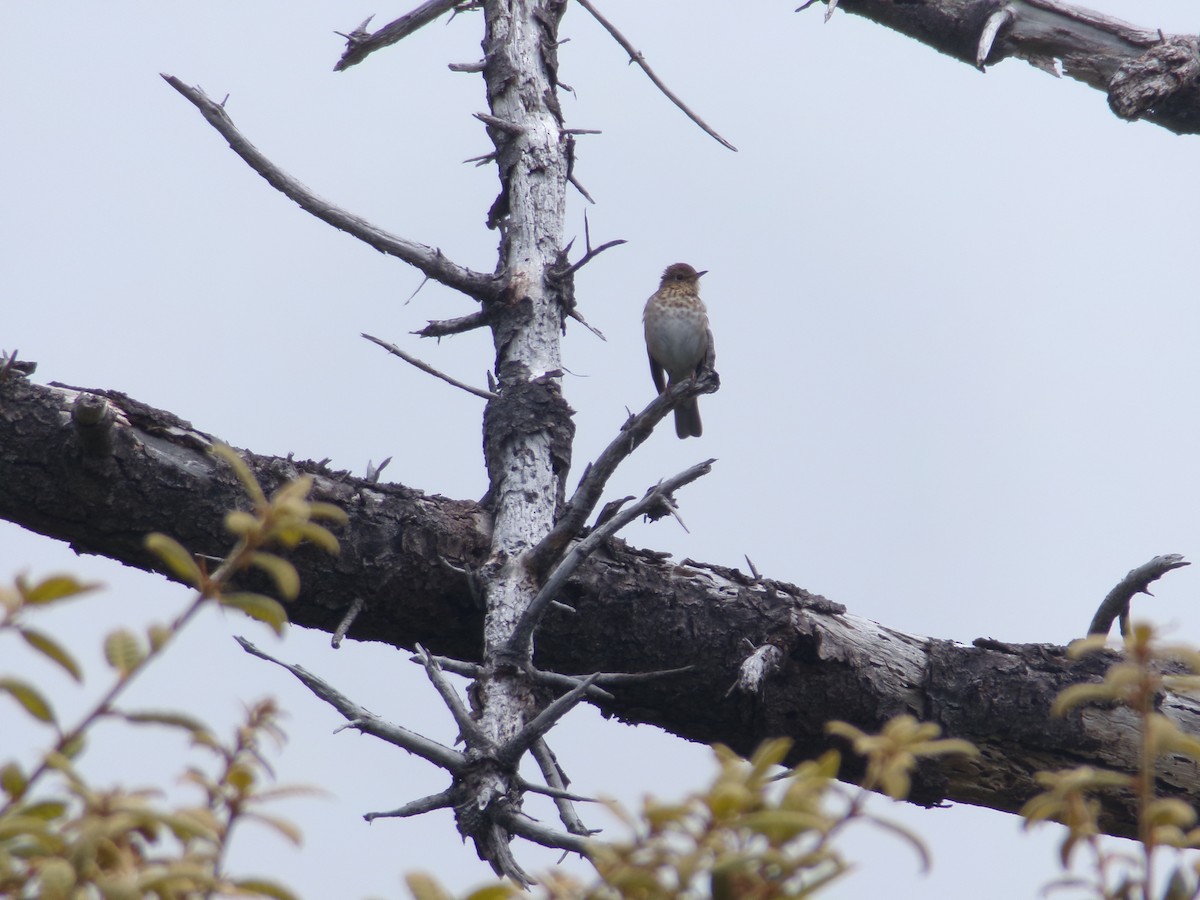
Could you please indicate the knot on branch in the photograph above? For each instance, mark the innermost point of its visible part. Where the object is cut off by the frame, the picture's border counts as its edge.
(524, 409)
(1142, 85)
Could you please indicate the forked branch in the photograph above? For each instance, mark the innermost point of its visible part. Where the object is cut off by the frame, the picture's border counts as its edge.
(519, 644)
(591, 486)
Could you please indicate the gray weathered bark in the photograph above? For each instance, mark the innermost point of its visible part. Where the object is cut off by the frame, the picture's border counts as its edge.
(1145, 74)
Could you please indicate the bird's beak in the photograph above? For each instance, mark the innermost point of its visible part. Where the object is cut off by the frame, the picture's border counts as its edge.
(705, 272)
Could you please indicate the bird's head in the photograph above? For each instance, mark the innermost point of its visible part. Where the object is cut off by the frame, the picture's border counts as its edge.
(681, 273)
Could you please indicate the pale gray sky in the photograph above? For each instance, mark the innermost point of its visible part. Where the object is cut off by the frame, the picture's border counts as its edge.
(955, 317)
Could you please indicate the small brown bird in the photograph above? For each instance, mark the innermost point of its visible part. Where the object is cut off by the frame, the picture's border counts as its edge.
(678, 338)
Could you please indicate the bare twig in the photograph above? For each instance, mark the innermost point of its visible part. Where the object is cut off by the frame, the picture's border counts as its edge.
(534, 788)
(445, 327)
(425, 367)
(588, 257)
(1137, 581)
(429, 260)
(365, 721)
(591, 485)
(467, 727)
(636, 56)
(521, 824)
(416, 807)
(374, 471)
(555, 779)
(457, 666)
(579, 187)
(356, 607)
(360, 44)
(501, 124)
(522, 635)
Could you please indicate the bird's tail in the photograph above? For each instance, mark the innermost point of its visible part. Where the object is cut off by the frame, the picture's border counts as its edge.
(687, 419)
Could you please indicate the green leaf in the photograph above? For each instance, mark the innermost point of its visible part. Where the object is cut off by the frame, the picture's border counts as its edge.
(319, 510)
(13, 780)
(46, 810)
(56, 587)
(29, 697)
(282, 572)
(50, 648)
(281, 826)
(258, 607)
(181, 563)
(191, 725)
(425, 887)
(56, 878)
(498, 891)
(240, 523)
(123, 651)
(244, 475)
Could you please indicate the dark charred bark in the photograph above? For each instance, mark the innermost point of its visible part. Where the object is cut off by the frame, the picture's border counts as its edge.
(406, 554)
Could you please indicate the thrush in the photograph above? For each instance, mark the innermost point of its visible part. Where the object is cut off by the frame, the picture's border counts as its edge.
(678, 338)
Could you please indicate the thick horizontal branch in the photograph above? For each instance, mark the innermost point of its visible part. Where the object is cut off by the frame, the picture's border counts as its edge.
(429, 260)
(405, 554)
(1144, 73)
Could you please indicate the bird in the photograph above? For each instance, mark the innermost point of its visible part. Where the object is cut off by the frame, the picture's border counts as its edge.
(678, 339)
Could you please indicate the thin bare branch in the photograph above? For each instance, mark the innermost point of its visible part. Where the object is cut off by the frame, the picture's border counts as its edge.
(444, 327)
(425, 367)
(467, 727)
(557, 780)
(1137, 581)
(356, 606)
(636, 56)
(534, 788)
(520, 642)
(416, 807)
(366, 721)
(522, 825)
(591, 486)
(429, 260)
(360, 44)
(501, 124)
(457, 666)
(587, 258)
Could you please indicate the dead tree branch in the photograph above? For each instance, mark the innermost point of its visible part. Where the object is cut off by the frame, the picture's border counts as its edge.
(360, 43)
(1137, 581)
(636, 56)
(425, 367)
(591, 486)
(429, 260)
(830, 664)
(366, 721)
(1144, 73)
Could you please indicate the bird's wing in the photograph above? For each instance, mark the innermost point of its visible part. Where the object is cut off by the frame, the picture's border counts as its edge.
(657, 373)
